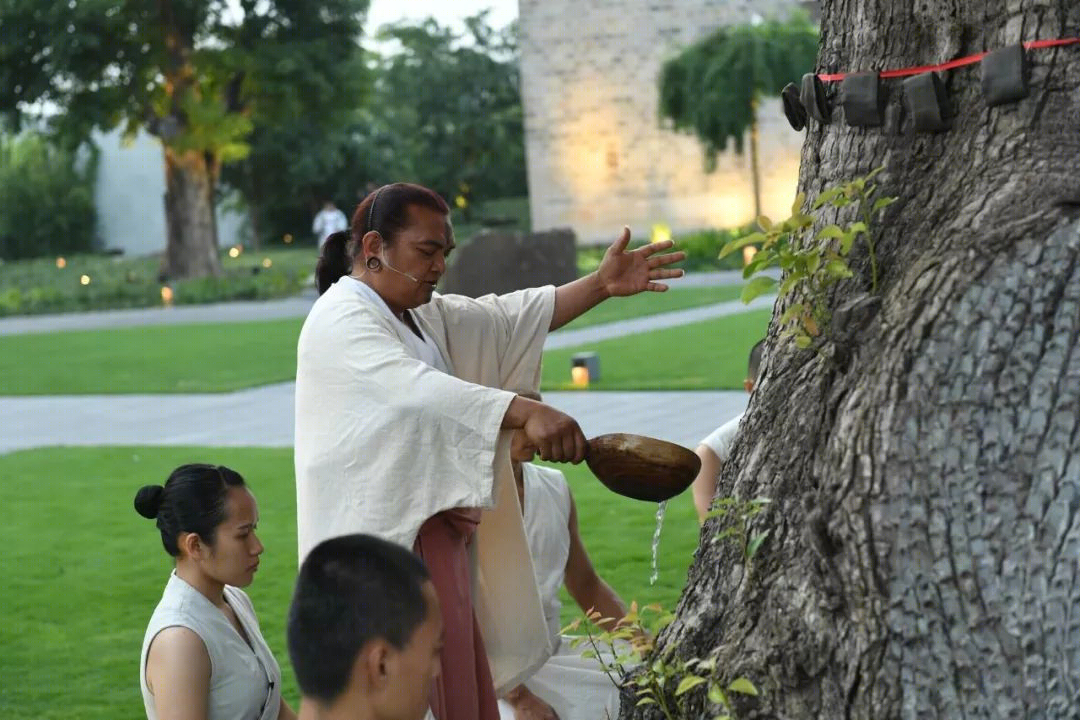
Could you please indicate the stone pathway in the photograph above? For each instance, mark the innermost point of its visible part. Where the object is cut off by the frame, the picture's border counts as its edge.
(263, 416)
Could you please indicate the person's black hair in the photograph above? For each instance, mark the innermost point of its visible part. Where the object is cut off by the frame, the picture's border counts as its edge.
(386, 211)
(351, 590)
(754, 365)
(192, 500)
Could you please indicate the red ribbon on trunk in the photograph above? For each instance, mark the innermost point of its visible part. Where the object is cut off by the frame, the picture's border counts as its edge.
(959, 62)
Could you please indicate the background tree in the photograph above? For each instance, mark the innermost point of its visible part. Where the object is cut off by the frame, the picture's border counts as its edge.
(447, 110)
(434, 107)
(712, 88)
(924, 466)
(195, 73)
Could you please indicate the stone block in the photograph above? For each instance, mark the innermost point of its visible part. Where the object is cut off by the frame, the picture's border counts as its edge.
(499, 262)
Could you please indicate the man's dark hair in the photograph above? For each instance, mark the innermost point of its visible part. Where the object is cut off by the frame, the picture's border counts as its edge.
(351, 590)
(755, 360)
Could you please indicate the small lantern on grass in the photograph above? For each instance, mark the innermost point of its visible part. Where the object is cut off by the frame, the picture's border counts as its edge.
(584, 368)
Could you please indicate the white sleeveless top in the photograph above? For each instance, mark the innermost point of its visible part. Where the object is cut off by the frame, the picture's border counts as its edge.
(245, 680)
(547, 529)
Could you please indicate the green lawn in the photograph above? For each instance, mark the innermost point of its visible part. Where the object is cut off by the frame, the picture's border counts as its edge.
(231, 356)
(653, 303)
(153, 359)
(82, 571)
(707, 355)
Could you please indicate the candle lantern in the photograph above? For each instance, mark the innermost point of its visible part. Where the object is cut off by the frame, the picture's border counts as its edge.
(584, 368)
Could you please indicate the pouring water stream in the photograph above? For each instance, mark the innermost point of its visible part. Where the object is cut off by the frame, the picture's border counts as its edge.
(660, 508)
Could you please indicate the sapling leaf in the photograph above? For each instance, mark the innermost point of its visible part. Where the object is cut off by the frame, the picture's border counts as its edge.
(687, 684)
(825, 197)
(792, 311)
(797, 205)
(743, 686)
(882, 203)
(789, 283)
(830, 231)
(741, 242)
(755, 544)
(756, 287)
(838, 268)
(846, 242)
(764, 223)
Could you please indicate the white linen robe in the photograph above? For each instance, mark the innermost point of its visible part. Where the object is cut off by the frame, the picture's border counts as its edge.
(384, 441)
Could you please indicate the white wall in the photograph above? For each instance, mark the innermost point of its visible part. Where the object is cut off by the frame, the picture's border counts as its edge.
(130, 196)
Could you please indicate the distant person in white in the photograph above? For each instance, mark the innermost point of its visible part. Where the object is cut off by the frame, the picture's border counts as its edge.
(203, 654)
(714, 449)
(567, 686)
(329, 220)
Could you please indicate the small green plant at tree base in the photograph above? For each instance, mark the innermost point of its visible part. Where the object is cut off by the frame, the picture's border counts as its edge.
(812, 265)
(735, 517)
(625, 651)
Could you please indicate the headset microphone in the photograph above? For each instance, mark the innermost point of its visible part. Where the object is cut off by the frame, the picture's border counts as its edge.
(389, 266)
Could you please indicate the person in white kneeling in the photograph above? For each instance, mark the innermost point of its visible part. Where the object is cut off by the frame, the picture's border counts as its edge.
(567, 686)
(715, 448)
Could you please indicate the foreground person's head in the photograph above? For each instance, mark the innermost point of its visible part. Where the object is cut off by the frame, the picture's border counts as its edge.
(753, 365)
(398, 242)
(207, 519)
(364, 631)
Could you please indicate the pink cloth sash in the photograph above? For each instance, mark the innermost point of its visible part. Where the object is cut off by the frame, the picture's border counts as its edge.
(464, 689)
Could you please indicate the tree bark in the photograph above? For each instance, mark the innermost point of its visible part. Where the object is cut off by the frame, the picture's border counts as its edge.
(192, 249)
(924, 467)
(191, 245)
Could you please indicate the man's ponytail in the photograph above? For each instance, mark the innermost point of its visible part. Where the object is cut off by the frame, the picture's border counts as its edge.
(334, 261)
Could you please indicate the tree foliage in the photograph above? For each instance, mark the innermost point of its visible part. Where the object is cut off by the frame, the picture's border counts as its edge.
(442, 109)
(198, 74)
(711, 87)
(447, 110)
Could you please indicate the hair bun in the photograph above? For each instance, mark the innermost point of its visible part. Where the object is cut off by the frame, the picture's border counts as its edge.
(148, 500)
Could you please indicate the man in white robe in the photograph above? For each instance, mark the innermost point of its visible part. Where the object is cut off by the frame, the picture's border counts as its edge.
(424, 440)
(399, 411)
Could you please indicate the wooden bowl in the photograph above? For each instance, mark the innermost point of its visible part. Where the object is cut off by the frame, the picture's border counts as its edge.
(642, 468)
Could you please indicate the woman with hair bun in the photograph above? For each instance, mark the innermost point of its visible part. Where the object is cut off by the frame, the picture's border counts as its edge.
(203, 655)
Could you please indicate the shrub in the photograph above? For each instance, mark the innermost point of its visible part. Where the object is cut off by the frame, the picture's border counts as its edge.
(46, 199)
(45, 285)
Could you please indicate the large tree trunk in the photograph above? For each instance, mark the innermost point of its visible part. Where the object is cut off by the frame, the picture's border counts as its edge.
(925, 467)
(189, 213)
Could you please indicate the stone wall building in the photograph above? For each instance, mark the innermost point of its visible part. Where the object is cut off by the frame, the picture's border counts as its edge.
(598, 157)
